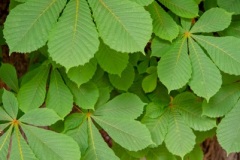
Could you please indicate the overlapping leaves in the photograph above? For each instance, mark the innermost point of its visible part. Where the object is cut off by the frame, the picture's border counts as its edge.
(175, 69)
(22, 139)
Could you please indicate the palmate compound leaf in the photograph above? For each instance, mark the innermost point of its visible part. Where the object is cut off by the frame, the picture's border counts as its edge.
(163, 24)
(110, 60)
(8, 75)
(59, 97)
(41, 144)
(222, 102)
(224, 51)
(74, 40)
(28, 25)
(32, 94)
(143, 2)
(209, 21)
(201, 83)
(97, 149)
(228, 131)
(123, 25)
(174, 68)
(182, 8)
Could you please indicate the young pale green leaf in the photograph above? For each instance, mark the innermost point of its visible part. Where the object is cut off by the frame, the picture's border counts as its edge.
(228, 131)
(83, 74)
(174, 68)
(50, 145)
(163, 24)
(75, 126)
(59, 97)
(221, 103)
(124, 81)
(209, 22)
(143, 2)
(126, 105)
(4, 143)
(182, 8)
(28, 25)
(230, 5)
(32, 94)
(130, 134)
(40, 117)
(188, 105)
(86, 96)
(159, 47)
(74, 40)
(149, 83)
(10, 104)
(158, 127)
(8, 75)
(201, 83)
(4, 116)
(98, 149)
(232, 30)
(116, 22)
(180, 139)
(160, 153)
(20, 149)
(110, 60)
(222, 50)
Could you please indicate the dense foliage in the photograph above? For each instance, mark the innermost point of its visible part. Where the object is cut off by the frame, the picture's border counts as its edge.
(120, 79)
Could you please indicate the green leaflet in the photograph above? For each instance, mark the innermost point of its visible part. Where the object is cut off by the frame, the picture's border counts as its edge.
(159, 47)
(86, 95)
(149, 83)
(130, 134)
(222, 50)
(79, 42)
(10, 104)
(163, 24)
(174, 68)
(59, 98)
(232, 30)
(110, 60)
(209, 22)
(124, 81)
(180, 138)
(160, 153)
(75, 126)
(4, 143)
(196, 154)
(189, 107)
(230, 5)
(221, 103)
(228, 131)
(20, 149)
(158, 126)
(82, 74)
(8, 74)
(201, 83)
(4, 116)
(40, 117)
(126, 105)
(183, 8)
(98, 149)
(117, 29)
(143, 2)
(49, 145)
(32, 94)
(30, 28)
